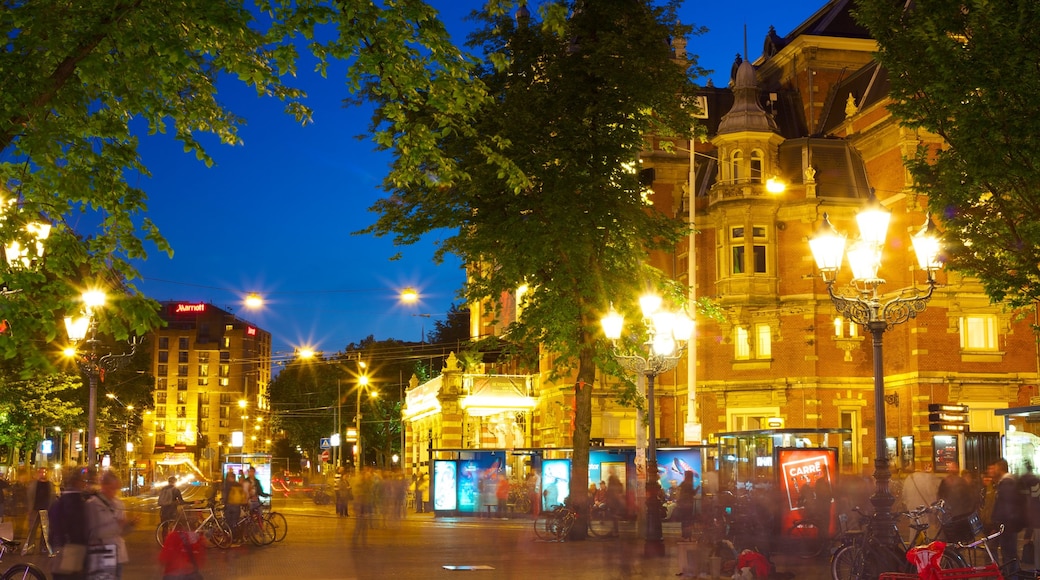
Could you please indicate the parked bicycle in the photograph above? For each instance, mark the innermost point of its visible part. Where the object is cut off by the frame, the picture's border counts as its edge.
(254, 527)
(21, 570)
(277, 520)
(863, 556)
(554, 525)
(203, 521)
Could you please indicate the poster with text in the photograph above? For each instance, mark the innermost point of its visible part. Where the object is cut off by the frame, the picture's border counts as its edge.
(807, 483)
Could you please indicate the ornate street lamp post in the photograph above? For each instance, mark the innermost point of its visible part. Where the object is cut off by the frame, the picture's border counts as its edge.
(90, 363)
(667, 336)
(861, 303)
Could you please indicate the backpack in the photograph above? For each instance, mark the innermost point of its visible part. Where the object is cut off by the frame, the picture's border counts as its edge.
(166, 496)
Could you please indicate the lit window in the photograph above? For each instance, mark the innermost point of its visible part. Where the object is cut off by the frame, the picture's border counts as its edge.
(744, 349)
(763, 341)
(978, 332)
(840, 328)
(741, 344)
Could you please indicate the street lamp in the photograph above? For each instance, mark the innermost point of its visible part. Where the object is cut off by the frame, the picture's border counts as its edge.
(861, 303)
(667, 336)
(18, 256)
(82, 328)
(362, 383)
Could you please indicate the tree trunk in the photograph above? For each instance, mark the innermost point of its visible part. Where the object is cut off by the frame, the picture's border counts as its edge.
(579, 491)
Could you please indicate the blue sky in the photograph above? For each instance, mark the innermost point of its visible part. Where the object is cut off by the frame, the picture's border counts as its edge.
(276, 215)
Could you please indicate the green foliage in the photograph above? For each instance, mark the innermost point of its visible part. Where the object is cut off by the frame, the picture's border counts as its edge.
(28, 406)
(560, 210)
(85, 80)
(967, 72)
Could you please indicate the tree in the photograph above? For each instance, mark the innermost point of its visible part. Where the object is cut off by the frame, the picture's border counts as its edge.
(574, 99)
(454, 330)
(29, 406)
(967, 72)
(84, 81)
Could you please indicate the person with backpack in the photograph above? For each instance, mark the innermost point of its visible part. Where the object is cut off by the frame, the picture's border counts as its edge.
(170, 499)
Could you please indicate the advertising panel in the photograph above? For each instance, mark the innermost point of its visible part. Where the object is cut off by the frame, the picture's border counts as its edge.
(556, 482)
(807, 478)
(445, 485)
(672, 464)
(476, 486)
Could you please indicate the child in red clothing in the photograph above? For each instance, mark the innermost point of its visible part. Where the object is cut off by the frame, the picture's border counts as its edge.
(182, 555)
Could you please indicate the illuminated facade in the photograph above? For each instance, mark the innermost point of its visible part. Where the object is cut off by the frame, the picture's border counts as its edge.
(812, 110)
(212, 371)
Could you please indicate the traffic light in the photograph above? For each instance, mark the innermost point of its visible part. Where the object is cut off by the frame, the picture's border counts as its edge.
(943, 417)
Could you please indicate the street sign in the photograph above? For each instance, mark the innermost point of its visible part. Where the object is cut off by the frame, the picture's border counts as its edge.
(325, 443)
(325, 455)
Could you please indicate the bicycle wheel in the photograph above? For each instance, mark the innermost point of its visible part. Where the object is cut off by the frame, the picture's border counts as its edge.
(280, 525)
(544, 526)
(24, 572)
(847, 563)
(217, 534)
(563, 524)
(601, 524)
(270, 533)
(805, 540)
(163, 529)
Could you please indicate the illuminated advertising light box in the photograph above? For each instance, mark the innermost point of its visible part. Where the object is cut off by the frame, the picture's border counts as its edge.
(673, 464)
(556, 482)
(445, 485)
(808, 479)
(476, 481)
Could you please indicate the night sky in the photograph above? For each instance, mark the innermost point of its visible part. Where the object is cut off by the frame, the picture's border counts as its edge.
(276, 215)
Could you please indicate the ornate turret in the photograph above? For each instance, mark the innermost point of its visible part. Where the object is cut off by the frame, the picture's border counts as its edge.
(746, 114)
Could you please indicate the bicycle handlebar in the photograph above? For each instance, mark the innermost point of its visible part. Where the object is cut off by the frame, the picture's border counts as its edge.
(982, 540)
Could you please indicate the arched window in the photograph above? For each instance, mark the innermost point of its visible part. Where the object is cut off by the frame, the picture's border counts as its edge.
(737, 165)
(756, 166)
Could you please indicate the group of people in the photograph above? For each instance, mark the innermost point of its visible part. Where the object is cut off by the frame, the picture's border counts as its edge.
(85, 511)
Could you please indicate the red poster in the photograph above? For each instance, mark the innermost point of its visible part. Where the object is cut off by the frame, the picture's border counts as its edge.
(807, 483)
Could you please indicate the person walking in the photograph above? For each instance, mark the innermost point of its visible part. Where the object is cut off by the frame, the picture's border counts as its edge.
(1008, 510)
(69, 531)
(39, 495)
(685, 505)
(107, 519)
(170, 498)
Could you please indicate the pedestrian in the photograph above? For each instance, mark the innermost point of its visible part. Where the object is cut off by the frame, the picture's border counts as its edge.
(362, 507)
(170, 498)
(1029, 487)
(108, 520)
(820, 509)
(344, 495)
(534, 493)
(502, 494)
(39, 495)
(685, 506)
(233, 503)
(1008, 510)
(615, 499)
(256, 491)
(69, 531)
(182, 556)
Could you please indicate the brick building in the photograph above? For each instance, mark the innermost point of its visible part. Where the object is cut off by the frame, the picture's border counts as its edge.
(812, 112)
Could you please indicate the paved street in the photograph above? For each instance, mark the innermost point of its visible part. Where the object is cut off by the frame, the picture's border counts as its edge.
(321, 546)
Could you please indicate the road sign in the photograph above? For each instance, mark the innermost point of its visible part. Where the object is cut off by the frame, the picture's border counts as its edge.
(325, 443)
(325, 455)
